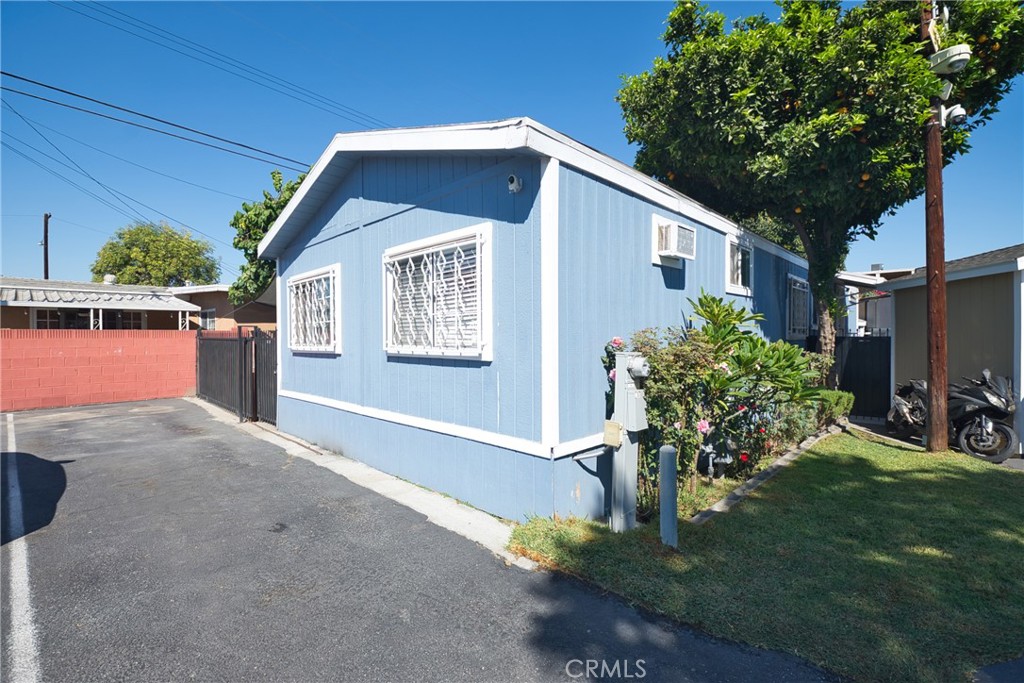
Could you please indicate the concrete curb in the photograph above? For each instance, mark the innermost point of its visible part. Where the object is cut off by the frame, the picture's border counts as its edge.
(468, 522)
(755, 482)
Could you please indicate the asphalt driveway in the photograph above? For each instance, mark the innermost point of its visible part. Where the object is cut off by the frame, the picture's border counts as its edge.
(161, 544)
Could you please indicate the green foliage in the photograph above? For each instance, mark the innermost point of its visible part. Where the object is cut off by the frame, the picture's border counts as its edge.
(158, 255)
(814, 122)
(878, 563)
(834, 406)
(251, 225)
(821, 365)
(721, 383)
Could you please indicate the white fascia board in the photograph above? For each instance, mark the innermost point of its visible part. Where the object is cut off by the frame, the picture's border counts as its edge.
(979, 271)
(170, 307)
(300, 194)
(518, 134)
(572, 153)
(199, 289)
(858, 278)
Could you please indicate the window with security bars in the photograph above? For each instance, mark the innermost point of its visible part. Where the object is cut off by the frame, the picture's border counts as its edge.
(314, 311)
(799, 304)
(435, 296)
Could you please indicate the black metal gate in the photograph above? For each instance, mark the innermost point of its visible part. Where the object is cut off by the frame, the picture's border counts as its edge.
(238, 371)
(265, 375)
(863, 367)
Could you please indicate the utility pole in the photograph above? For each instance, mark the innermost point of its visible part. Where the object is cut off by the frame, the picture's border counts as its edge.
(46, 245)
(937, 430)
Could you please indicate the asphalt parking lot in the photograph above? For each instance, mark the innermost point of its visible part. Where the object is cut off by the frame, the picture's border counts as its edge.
(161, 544)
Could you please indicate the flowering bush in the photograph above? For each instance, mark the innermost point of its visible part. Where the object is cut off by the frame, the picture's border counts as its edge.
(720, 388)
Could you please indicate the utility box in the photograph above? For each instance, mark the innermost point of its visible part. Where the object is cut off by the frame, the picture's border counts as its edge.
(631, 371)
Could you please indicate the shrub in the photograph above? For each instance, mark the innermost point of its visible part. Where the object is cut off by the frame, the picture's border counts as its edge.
(721, 386)
(833, 406)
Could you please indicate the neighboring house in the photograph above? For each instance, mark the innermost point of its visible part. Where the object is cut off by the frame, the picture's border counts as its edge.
(984, 315)
(873, 315)
(446, 294)
(27, 303)
(216, 312)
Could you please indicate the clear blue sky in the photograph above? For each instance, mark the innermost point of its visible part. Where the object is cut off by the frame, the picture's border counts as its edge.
(403, 64)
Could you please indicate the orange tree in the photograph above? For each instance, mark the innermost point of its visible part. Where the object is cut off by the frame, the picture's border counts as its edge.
(814, 122)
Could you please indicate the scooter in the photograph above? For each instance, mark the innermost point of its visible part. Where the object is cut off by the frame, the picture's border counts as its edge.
(979, 415)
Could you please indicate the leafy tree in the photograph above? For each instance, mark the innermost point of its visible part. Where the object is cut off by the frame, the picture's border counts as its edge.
(251, 225)
(156, 254)
(815, 122)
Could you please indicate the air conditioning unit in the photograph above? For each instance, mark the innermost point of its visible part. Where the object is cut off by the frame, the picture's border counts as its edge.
(676, 241)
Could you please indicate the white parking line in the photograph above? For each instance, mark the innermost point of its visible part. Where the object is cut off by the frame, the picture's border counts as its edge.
(24, 653)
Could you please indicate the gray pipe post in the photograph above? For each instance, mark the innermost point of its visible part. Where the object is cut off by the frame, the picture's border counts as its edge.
(667, 491)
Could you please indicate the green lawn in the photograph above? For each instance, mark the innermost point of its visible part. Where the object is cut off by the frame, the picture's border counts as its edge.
(874, 561)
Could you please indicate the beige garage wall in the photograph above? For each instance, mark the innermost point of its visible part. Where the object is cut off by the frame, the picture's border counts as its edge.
(979, 330)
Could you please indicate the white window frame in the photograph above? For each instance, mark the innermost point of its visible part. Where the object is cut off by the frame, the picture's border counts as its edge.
(659, 259)
(213, 317)
(482, 235)
(333, 272)
(792, 332)
(744, 244)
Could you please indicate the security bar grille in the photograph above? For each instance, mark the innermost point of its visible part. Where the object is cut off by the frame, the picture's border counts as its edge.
(799, 305)
(312, 316)
(434, 301)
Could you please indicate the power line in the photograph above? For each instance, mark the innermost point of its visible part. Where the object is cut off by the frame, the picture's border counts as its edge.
(49, 170)
(82, 170)
(138, 165)
(236, 63)
(260, 83)
(151, 118)
(79, 225)
(105, 202)
(150, 128)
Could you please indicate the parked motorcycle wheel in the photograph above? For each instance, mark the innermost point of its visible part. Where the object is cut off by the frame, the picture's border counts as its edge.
(899, 429)
(1001, 445)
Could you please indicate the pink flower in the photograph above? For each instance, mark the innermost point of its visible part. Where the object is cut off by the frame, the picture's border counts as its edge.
(617, 342)
(678, 425)
(760, 430)
(611, 375)
(744, 457)
(703, 426)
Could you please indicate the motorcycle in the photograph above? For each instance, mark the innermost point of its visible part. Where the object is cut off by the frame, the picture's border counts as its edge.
(979, 415)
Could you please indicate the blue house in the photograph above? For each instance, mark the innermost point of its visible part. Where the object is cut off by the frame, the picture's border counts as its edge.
(445, 295)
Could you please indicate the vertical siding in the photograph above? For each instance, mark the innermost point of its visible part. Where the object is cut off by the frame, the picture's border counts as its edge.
(979, 313)
(608, 286)
(771, 292)
(500, 481)
(500, 396)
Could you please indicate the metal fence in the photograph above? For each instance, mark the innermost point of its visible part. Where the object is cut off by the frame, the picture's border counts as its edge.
(863, 368)
(238, 371)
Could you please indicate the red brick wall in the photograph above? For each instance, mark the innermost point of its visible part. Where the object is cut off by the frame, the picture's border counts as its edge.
(57, 368)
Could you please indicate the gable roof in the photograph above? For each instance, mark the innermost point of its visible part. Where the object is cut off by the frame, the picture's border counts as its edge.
(1005, 260)
(30, 292)
(522, 135)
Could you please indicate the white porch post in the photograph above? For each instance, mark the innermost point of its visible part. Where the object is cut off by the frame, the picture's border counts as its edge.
(92, 318)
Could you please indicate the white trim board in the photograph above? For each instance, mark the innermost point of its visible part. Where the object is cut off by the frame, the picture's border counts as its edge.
(550, 405)
(520, 134)
(978, 271)
(512, 443)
